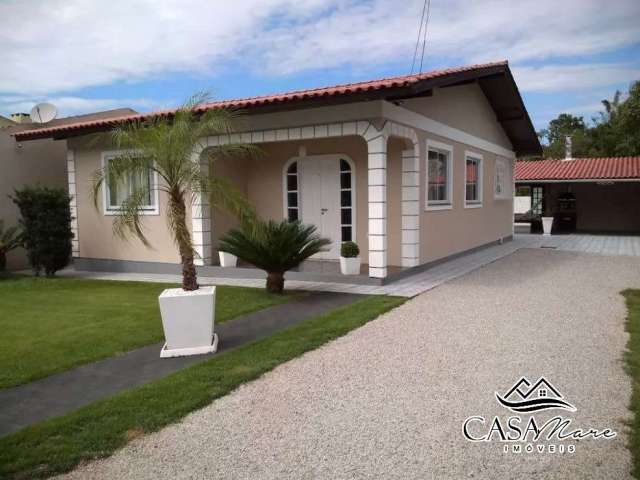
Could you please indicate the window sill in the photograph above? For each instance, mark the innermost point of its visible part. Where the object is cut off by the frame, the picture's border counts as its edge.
(436, 207)
(112, 213)
(473, 205)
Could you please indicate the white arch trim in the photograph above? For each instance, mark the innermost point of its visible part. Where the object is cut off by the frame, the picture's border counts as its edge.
(376, 139)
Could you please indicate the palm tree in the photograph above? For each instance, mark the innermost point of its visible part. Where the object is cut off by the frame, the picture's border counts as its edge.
(274, 247)
(10, 239)
(164, 145)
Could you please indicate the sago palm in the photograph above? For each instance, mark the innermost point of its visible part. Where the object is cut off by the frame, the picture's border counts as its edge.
(10, 239)
(274, 247)
(164, 145)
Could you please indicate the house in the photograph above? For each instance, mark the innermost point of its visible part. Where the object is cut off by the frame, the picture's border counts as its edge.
(584, 194)
(414, 169)
(41, 162)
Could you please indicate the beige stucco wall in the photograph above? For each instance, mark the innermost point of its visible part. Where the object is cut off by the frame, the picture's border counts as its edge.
(96, 237)
(464, 107)
(442, 233)
(37, 162)
(446, 232)
(261, 179)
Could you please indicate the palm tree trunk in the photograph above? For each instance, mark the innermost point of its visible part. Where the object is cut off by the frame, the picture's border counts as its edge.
(275, 282)
(183, 239)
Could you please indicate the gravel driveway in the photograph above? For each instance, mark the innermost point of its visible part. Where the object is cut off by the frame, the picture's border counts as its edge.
(389, 399)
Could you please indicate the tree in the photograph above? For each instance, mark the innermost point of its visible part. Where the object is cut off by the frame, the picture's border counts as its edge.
(554, 136)
(615, 131)
(165, 145)
(274, 247)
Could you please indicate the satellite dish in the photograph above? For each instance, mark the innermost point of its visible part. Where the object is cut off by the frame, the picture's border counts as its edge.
(43, 113)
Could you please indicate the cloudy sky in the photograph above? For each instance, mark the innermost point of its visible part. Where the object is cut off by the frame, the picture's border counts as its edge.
(85, 55)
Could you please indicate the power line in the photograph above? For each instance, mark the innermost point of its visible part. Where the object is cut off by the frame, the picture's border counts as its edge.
(415, 52)
(422, 35)
(424, 39)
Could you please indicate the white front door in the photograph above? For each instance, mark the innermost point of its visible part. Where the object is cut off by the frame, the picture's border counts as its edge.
(320, 202)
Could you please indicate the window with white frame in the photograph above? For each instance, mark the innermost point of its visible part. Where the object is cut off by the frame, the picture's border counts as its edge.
(293, 209)
(438, 177)
(346, 201)
(503, 180)
(117, 193)
(473, 179)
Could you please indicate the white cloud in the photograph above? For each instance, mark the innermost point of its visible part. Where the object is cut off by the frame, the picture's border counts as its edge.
(70, 105)
(558, 78)
(63, 45)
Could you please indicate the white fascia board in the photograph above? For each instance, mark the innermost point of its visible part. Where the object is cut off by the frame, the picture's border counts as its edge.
(407, 117)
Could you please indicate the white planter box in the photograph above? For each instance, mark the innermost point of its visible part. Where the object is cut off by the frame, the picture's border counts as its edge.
(350, 266)
(547, 224)
(227, 259)
(188, 320)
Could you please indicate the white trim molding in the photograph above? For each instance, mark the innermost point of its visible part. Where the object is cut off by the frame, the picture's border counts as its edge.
(106, 210)
(336, 156)
(201, 218)
(410, 239)
(376, 171)
(73, 203)
(506, 165)
(480, 180)
(408, 117)
(439, 205)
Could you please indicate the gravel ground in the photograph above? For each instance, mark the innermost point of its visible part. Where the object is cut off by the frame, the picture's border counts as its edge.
(389, 399)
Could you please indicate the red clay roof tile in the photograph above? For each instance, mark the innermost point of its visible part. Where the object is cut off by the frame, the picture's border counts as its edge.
(579, 169)
(336, 90)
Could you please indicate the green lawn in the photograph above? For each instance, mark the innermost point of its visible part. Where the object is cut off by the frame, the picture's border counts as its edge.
(51, 325)
(95, 431)
(633, 368)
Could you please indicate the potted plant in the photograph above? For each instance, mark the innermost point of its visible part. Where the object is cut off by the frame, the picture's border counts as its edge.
(547, 221)
(227, 259)
(349, 259)
(164, 145)
(274, 247)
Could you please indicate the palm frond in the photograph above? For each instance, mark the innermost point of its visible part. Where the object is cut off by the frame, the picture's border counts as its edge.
(274, 246)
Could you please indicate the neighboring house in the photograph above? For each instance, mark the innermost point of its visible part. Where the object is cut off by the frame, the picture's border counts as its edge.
(584, 194)
(413, 169)
(42, 162)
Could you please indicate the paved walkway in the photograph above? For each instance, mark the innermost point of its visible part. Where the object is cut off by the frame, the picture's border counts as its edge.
(67, 391)
(599, 244)
(406, 287)
(389, 399)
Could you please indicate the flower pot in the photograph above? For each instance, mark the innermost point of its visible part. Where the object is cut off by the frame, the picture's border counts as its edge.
(188, 320)
(350, 266)
(227, 259)
(547, 224)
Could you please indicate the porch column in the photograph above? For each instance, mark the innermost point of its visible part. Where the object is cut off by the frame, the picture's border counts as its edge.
(377, 178)
(73, 204)
(201, 220)
(410, 247)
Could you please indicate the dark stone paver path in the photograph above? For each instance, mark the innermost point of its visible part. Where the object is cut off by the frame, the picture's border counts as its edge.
(67, 391)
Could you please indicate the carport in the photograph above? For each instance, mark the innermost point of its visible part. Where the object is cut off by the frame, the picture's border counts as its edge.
(598, 195)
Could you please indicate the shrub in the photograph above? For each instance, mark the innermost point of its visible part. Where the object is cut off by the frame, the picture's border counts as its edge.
(46, 223)
(9, 239)
(274, 247)
(349, 250)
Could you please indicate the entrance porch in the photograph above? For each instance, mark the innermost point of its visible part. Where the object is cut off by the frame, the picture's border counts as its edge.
(353, 181)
